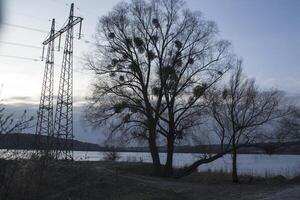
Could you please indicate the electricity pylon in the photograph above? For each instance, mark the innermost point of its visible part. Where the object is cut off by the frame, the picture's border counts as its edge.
(44, 126)
(63, 123)
(60, 133)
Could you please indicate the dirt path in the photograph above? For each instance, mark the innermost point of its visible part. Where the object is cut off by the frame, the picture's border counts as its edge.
(290, 193)
(192, 191)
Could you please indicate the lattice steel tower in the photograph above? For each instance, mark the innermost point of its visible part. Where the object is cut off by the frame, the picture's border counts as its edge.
(60, 133)
(44, 126)
(63, 123)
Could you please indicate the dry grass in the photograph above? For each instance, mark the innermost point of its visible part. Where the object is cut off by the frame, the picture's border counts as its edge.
(122, 180)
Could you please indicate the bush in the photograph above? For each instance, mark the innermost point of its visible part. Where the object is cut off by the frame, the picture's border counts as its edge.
(111, 154)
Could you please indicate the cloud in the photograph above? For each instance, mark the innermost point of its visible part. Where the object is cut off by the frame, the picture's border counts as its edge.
(20, 100)
(78, 101)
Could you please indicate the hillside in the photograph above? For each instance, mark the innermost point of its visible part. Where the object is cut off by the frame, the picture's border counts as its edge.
(27, 141)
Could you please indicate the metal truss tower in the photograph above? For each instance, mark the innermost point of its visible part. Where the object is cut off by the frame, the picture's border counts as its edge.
(60, 133)
(63, 123)
(44, 126)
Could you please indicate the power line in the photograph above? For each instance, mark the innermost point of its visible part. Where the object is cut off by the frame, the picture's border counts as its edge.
(29, 46)
(21, 45)
(24, 27)
(20, 57)
(39, 30)
(36, 60)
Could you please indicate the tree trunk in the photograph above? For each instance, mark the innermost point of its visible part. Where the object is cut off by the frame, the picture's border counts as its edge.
(235, 178)
(193, 167)
(154, 152)
(168, 170)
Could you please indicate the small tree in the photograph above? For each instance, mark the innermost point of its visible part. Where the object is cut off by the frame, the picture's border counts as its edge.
(240, 109)
(288, 129)
(10, 124)
(111, 153)
(239, 113)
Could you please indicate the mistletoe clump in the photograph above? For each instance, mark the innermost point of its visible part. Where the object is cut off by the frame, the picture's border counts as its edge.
(155, 91)
(150, 55)
(112, 74)
(111, 35)
(141, 50)
(128, 42)
(125, 56)
(178, 44)
(155, 23)
(138, 42)
(191, 61)
(180, 134)
(114, 61)
(134, 67)
(220, 73)
(167, 71)
(109, 67)
(154, 38)
(225, 93)
(121, 78)
(178, 62)
(199, 90)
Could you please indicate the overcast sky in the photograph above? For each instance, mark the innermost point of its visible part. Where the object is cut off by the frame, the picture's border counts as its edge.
(265, 33)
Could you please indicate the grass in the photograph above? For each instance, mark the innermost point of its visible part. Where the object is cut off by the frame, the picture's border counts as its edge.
(119, 180)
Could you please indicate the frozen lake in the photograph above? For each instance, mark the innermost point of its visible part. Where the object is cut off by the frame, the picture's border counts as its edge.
(250, 164)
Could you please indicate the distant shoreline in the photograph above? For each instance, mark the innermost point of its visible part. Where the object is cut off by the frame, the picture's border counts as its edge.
(27, 141)
(128, 151)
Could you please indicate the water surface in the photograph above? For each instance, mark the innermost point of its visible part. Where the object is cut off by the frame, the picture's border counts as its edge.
(248, 164)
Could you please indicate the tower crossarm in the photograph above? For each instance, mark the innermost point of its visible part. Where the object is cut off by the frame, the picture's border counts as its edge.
(75, 21)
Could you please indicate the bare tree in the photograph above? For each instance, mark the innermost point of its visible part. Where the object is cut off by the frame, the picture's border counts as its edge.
(10, 124)
(288, 129)
(153, 61)
(240, 110)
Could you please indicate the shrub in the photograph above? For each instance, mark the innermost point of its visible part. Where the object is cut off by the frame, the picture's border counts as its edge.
(111, 154)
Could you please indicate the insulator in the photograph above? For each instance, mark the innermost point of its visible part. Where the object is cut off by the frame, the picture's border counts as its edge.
(80, 25)
(59, 40)
(43, 52)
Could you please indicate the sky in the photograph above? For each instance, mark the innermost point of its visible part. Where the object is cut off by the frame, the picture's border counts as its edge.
(264, 33)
